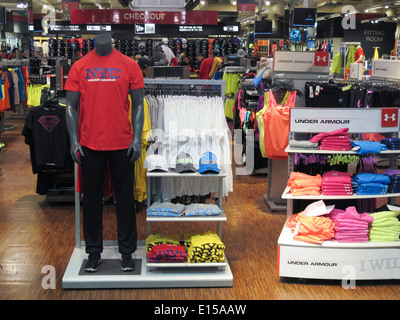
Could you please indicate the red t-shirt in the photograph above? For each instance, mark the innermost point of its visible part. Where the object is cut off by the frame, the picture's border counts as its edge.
(104, 83)
(359, 52)
(205, 68)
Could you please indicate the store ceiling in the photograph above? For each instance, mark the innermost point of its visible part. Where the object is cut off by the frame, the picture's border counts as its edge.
(227, 9)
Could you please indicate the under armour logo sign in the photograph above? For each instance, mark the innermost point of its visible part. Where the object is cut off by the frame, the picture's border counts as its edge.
(389, 117)
(392, 117)
(319, 58)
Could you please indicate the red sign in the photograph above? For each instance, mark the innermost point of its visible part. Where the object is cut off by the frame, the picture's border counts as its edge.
(246, 7)
(126, 16)
(389, 117)
(69, 5)
(321, 58)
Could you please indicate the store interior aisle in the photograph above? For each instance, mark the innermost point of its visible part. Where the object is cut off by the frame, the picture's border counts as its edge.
(35, 234)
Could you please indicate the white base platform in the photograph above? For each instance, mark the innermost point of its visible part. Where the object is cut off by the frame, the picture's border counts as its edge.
(332, 260)
(215, 276)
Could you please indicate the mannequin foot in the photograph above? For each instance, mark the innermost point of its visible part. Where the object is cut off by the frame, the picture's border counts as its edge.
(92, 265)
(127, 263)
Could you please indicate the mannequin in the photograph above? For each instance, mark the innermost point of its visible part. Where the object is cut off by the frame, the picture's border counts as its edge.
(93, 115)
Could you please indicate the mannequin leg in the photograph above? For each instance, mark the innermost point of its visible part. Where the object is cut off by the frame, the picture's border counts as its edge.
(122, 173)
(93, 170)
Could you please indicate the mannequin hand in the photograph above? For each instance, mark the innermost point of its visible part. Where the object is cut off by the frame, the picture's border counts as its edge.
(134, 151)
(75, 148)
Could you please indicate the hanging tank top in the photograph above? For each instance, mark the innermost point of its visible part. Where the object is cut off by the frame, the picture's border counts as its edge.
(276, 126)
(260, 121)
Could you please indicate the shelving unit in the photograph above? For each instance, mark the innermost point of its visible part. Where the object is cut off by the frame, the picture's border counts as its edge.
(333, 260)
(222, 267)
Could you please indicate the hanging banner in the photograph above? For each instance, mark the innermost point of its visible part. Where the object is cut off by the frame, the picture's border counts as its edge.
(126, 16)
(294, 61)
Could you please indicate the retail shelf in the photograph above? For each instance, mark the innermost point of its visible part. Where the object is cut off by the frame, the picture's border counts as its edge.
(289, 196)
(187, 264)
(286, 239)
(216, 218)
(316, 151)
(171, 174)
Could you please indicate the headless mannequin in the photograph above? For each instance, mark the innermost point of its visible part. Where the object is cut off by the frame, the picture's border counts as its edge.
(104, 47)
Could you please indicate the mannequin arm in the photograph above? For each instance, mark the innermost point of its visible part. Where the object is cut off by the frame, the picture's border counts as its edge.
(135, 149)
(72, 121)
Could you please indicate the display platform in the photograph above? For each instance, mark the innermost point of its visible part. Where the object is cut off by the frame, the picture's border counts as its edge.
(171, 277)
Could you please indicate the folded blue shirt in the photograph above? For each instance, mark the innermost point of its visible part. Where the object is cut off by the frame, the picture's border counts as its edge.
(368, 146)
(371, 177)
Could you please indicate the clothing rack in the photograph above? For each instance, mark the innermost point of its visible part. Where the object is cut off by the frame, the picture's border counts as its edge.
(185, 86)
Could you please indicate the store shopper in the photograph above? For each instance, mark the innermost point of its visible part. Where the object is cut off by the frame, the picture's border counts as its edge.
(205, 66)
(143, 64)
(101, 135)
(159, 57)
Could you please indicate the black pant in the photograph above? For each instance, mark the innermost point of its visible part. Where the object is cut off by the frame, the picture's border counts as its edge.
(94, 165)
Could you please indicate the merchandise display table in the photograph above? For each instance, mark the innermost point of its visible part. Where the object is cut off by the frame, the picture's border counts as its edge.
(333, 260)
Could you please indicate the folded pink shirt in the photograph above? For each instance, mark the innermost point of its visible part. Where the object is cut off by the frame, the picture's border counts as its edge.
(338, 132)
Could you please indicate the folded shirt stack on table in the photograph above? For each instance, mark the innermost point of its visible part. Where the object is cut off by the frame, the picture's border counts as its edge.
(370, 183)
(394, 175)
(168, 209)
(311, 229)
(159, 239)
(206, 248)
(303, 184)
(350, 226)
(364, 147)
(385, 227)
(391, 143)
(336, 183)
(303, 144)
(337, 140)
(167, 253)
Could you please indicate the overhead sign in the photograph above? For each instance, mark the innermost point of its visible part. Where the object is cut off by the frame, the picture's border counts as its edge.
(145, 28)
(388, 69)
(290, 61)
(373, 120)
(126, 16)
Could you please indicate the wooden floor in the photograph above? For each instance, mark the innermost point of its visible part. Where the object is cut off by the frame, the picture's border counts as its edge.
(34, 234)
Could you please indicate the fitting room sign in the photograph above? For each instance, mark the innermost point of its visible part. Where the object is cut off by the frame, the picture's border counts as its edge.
(126, 16)
(294, 61)
(372, 120)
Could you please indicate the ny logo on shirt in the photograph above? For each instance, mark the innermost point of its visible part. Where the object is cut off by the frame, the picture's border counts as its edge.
(102, 73)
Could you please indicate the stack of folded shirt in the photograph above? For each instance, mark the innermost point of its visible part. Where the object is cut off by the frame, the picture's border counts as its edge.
(303, 144)
(386, 226)
(166, 209)
(391, 143)
(303, 184)
(167, 253)
(158, 239)
(371, 183)
(188, 237)
(394, 175)
(311, 229)
(335, 140)
(350, 226)
(206, 248)
(201, 209)
(336, 183)
(364, 147)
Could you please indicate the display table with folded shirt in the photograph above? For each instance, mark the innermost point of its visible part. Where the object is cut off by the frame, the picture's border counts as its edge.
(323, 244)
